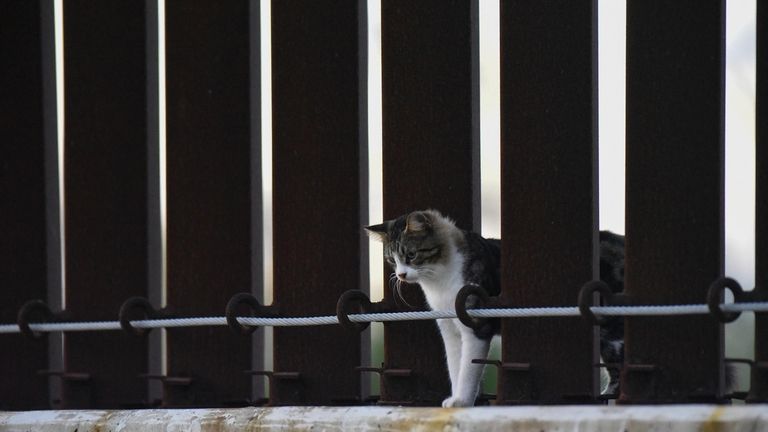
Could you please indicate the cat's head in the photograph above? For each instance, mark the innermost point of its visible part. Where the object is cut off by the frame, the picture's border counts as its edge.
(416, 244)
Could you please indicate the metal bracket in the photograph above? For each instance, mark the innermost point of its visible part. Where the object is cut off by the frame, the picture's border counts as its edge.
(400, 373)
(273, 378)
(606, 298)
(481, 297)
(256, 308)
(176, 381)
(385, 374)
(649, 372)
(147, 311)
(506, 371)
(715, 296)
(39, 312)
(346, 300)
(66, 376)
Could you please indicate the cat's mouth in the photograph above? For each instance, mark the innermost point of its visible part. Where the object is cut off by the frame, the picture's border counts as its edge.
(404, 278)
(409, 278)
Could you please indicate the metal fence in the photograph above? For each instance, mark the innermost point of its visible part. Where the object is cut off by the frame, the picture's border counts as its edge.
(113, 210)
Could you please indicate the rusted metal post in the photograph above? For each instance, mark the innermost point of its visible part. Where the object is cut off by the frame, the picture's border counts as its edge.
(319, 194)
(26, 42)
(549, 196)
(210, 161)
(105, 171)
(758, 391)
(430, 93)
(674, 202)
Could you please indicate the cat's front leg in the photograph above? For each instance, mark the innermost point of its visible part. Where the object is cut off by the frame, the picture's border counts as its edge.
(467, 387)
(452, 342)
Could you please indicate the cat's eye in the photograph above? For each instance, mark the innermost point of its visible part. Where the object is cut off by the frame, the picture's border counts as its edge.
(410, 255)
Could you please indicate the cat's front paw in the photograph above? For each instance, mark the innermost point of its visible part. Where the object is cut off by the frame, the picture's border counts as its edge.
(455, 402)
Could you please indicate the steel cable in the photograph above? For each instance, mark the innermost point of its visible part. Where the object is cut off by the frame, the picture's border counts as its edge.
(568, 311)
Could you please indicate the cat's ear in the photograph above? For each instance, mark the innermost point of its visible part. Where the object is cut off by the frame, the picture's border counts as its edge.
(418, 221)
(379, 232)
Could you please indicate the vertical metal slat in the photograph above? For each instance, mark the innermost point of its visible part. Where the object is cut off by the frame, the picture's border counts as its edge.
(23, 178)
(210, 197)
(106, 197)
(674, 201)
(549, 196)
(318, 195)
(430, 147)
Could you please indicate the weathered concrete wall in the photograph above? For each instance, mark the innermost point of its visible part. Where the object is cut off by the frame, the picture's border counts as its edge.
(524, 419)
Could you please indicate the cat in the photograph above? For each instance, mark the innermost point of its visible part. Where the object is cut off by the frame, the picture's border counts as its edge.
(428, 248)
(612, 332)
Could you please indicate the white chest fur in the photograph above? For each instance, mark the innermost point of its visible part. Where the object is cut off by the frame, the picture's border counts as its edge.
(441, 289)
(461, 345)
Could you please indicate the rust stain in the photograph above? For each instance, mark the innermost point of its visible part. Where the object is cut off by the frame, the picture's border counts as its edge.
(215, 423)
(98, 426)
(263, 421)
(713, 423)
(431, 420)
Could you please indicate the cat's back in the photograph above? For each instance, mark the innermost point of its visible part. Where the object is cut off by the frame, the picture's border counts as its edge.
(482, 259)
(612, 260)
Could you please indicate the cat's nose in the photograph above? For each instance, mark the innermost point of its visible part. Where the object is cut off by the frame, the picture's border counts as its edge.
(401, 276)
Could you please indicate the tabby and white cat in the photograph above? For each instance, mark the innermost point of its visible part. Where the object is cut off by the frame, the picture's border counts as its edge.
(427, 248)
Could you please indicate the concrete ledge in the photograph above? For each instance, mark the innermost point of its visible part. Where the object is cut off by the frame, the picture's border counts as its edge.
(679, 418)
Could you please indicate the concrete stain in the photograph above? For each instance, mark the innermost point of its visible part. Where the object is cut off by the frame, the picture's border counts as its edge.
(429, 420)
(100, 424)
(215, 423)
(714, 423)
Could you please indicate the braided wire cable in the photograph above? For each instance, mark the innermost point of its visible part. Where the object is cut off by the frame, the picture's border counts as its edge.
(566, 311)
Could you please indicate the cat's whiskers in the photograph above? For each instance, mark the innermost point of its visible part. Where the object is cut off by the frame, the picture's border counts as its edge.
(393, 280)
(396, 285)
